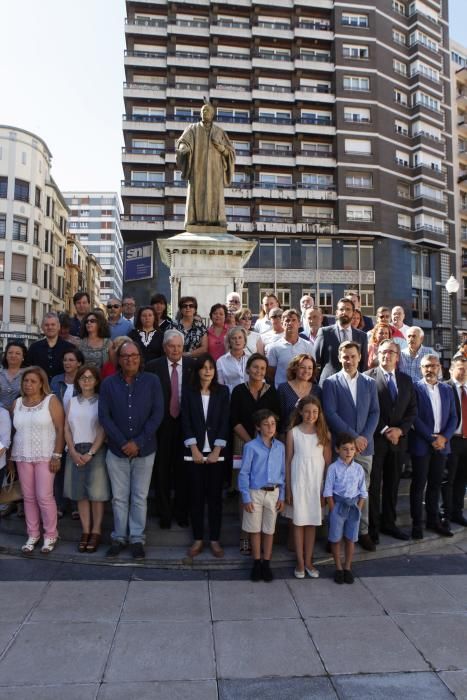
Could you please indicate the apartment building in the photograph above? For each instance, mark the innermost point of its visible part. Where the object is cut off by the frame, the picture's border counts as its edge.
(95, 222)
(340, 114)
(83, 274)
(33, 225)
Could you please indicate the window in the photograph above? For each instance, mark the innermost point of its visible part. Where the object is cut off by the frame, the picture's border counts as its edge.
(418, 37)
(425, 70)
(319, 181)
(37, 197)
(404, 222)
(352, 82)
(398, 7)
(316, 213)
(359, 212)
(359, 180)
(401, 128)
(400, 97)
(399, 67)
(366, 261)
(429, 223)
(357, 114)
(324, 254)
(147, 146)
(423, 190)
(398, 37)
(242, 148)
(233, 212)
(17, 310)
(402, 158)
(274, 53)
(421, 128)
(316, 148)
(355, 51)
(275, 116)
(271, 212)
(315, 55)
(233, 115)
(422, 98)
(18, 267)
(426, 160)
(325, 301)
(275, 146)
(2, 225)
(3, 187)
(350, 251)
(421, 304)
(275, 180)
(148, 114)
(316, 116)
(360, 146)
(308, 255)
(186, 113)
(20, 229)
(240, 178)
(36, 233)
(403, 190)
(146, 177)
(21, 190)
(353, 20)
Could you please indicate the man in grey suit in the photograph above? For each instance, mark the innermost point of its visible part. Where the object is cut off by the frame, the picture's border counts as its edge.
(328, 340)
(350, 403)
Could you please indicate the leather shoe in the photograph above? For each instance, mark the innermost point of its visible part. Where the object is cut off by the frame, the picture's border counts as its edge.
(165, 524)
(196, 548)
(460, 520)
(442, 528)
(396, 533)
(217, 550)
(367, 543)
(182, 522)
(417, 533)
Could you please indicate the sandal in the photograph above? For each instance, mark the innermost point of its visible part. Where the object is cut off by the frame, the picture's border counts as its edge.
(28, 546)
(93, 542)
(245, 546)
(83, 542)
(49, 544)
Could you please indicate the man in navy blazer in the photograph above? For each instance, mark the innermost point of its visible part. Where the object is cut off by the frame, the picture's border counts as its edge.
(328, 340)
(170, 470)
(350, 403)
(398, 408)
(455, 480)
(429, 446)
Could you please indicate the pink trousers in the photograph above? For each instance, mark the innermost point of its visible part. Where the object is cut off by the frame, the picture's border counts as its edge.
(37, 483)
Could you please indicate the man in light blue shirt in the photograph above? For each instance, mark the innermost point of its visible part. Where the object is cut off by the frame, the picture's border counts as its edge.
(411, 357)
(280, 354)
(118, 324)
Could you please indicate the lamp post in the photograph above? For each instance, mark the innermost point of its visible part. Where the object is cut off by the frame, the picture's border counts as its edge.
(452, 287)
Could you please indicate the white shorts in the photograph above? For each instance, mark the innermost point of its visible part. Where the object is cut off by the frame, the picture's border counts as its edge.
(263, 518)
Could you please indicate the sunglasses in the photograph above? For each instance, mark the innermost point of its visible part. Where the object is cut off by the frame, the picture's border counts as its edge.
(92, 320)
(113, 306)
(188, 306)
(247, 318)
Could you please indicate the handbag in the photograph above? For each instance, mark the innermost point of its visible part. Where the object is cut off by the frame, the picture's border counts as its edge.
(11, 489)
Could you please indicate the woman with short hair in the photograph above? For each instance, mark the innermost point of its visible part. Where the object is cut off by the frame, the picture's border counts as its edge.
(231, 366)
(193, 329)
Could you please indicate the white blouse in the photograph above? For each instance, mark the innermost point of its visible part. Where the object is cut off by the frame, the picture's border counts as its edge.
(34, 439)
(83, 419)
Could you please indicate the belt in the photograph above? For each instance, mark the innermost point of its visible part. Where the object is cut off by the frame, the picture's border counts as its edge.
(269, 488)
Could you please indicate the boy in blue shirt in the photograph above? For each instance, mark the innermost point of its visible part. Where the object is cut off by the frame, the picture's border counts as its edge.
(262, 485)
(345, 492)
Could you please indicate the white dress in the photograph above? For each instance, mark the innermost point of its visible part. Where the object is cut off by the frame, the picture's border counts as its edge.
(307, 470)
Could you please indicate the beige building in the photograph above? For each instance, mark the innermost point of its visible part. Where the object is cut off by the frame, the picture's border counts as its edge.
(33, 225)
(83, 273)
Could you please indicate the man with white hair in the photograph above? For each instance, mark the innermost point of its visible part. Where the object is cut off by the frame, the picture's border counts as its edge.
(306, 302)
(411, 356)
(233, 302)
(397, 320)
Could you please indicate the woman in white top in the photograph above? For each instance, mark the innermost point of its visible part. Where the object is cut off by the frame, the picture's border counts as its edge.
(254, 343)
(86, 479)
(37, 450)
(231, 367)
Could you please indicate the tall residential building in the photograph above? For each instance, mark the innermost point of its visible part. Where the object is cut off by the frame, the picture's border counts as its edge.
(459, 107)
(341, 120)
(95, 220)
(33, 226)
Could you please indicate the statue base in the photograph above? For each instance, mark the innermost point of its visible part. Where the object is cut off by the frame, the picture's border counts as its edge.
(205, 264)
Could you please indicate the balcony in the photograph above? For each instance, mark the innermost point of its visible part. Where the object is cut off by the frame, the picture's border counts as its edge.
(142, 188)
(462, 155)
(146, 27)
(143, 122)
(232, 28)
(187, 58)
(315, 125)
(18, 277)
(143, 155)
(272, 190)
(462, 181)
(280, 93)
(274, 61)
(314, 29)
(310, 62)
(314, 93)
(314, 191)
(272, 124)
(322, 158)
(430, 236)
(144, 91)
(462, 126)
(226, 59)
(189, 28)
(232, 92)
(311, 224)
(280, 30)
(273, 156)
(142, 222)
(150, 59)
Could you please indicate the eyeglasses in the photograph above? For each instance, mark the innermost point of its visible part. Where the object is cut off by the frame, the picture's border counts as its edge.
(92, 320)
(113, 306)
(133, 356)
(86, 378)
(247, 318)
(188, 306)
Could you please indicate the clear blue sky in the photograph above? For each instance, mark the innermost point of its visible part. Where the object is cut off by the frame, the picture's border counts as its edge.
(61, 75)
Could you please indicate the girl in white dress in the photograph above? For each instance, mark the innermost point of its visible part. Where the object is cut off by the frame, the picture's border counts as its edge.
(308, 452)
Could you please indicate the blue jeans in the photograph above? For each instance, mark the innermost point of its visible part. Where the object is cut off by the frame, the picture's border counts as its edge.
(130, 479)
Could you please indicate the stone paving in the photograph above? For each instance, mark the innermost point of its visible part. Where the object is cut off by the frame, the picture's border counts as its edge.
(120, 632)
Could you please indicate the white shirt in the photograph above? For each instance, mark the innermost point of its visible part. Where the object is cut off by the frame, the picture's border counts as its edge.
(343, 333)
(459, 394)
(205, 399)
(231, 371)
(352, 384)
(270, 338)
(262, 325)
(403, 329)
(435, 398)
(179, 372)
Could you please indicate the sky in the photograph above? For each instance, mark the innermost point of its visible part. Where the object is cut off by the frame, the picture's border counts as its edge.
(61, 75)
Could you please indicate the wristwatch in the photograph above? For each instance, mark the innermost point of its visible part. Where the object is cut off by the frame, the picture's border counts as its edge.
(91, 453)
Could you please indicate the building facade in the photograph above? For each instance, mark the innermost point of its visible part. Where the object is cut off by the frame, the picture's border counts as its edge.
(95, 222)
(33, 225)
(83, 274)
(341, 119)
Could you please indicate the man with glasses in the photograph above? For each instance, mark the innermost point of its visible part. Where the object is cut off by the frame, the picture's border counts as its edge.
(397, 411)
(131, 406)
(276, 331)
(129, 309)
(429, 446)
(48, 353)
(118, 324)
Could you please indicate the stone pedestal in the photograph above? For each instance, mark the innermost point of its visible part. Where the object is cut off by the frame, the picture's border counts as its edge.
(207, 265)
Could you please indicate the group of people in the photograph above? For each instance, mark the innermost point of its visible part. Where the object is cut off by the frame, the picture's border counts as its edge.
(294, 412)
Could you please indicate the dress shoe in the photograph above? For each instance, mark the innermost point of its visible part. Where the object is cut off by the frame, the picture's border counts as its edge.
(441, 528)
(137, 550)
(367, 543)
(417, 533)
(217, 550)
(182, 522)
(114, 549)
(196, 548)
(396, 533)
(460, 520)
(374, 537)
(165, 524)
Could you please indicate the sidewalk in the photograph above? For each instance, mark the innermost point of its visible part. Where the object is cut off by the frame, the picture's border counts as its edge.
(400, 629)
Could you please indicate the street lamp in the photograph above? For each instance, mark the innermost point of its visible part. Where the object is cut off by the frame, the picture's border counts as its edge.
(452, 287)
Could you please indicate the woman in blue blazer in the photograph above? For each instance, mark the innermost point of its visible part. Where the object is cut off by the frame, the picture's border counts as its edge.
(205, 425)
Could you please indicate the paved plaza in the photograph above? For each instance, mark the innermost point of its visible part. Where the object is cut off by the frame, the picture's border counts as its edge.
(119, 632)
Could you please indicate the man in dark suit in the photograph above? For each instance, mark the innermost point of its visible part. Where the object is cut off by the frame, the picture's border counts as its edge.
(398, 408)
(434, 426)
(326, 346)
(173, 371)
(454, 483)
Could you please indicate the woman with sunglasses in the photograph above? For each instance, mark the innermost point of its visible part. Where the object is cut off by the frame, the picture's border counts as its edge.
(193, 329)
(95, 339)
(254, 343)
(86, 479)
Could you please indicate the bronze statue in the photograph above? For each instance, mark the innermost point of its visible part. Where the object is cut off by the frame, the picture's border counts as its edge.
(206, 158)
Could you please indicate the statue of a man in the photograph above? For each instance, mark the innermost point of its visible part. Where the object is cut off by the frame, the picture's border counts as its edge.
(206, 158)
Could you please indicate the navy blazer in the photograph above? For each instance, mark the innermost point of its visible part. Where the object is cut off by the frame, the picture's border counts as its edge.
(161, 368)
(421, 437)
(400, 414)
(343, 415)
(216, 424)
(326, 351)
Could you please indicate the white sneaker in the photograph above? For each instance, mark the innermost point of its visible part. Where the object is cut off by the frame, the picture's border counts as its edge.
(312, 573)
(28, 546)
(299, 574)
(49, 544)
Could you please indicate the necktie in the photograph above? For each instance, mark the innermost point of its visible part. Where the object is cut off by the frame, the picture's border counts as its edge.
(392, 388)
(464, 410)
(174, 405)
